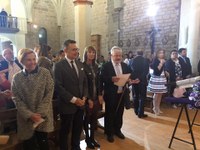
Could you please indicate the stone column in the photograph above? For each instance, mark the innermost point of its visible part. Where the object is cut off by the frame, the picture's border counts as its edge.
(83, 14)
(193, 34)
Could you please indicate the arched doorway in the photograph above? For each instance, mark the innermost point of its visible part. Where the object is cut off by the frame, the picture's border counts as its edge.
(42, 36)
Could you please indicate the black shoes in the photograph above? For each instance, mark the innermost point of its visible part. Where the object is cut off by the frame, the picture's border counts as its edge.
(92, 144)
(142, 116)
(120, 135)
(110, 138)
(89, 144)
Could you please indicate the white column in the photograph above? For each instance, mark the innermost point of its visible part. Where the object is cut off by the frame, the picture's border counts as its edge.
(193, 34)
(83, 13)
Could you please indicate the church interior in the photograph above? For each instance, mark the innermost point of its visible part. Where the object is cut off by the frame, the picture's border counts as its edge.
(133, 25)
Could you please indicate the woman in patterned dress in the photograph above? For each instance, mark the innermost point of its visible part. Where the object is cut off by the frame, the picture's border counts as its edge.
(173, 71)
(158, 80)
(32, 91)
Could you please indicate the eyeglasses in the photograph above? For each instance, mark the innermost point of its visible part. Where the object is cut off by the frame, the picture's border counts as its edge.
(74, 49)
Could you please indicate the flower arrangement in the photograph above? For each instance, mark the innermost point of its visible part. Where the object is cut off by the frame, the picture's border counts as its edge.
(195, 94)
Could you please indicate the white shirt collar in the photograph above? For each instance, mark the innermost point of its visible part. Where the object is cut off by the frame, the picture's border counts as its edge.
(69, 60)
(115, 64)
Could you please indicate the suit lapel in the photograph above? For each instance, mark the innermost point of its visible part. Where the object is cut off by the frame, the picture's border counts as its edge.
(112, 69)
(123, 68)
(69, 69)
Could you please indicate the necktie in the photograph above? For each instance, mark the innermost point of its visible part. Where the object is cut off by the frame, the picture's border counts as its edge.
(73, 68)
(118, 72)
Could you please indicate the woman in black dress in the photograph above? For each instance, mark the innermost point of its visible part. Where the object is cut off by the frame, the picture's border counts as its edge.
(91, 70)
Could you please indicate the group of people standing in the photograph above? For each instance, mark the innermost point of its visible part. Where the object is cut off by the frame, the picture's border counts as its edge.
(81, 88)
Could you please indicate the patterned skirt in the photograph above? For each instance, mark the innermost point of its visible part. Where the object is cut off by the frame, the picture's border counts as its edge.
(157, 84)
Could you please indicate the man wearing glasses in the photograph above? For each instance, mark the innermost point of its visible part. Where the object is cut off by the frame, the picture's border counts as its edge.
(71, 86)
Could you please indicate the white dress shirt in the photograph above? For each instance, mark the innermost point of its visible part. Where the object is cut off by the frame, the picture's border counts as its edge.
(12, 69)
(73, 100)
(118, 71)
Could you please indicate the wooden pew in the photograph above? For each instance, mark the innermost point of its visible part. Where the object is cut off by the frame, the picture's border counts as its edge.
(8, 117)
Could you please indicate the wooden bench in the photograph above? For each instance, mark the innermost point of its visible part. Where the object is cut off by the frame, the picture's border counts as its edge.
(9, 117)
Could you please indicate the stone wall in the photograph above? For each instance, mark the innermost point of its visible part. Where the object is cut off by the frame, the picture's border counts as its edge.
(44, 15)
(68, 24)
(100, 23)
(135, 25)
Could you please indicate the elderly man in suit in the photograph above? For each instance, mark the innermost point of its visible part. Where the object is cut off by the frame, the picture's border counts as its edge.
(113, 95)
(71, 87)
(9, 65)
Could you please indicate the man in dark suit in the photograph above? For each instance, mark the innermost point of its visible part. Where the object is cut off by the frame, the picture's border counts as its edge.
(71, 87)
(185, 63)
(113, 95)
(140, 69)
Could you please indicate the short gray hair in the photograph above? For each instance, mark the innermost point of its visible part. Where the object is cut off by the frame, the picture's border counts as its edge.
(115, 48)
(7, 49)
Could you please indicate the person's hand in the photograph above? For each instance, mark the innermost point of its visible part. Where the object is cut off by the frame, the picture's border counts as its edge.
(2, 78)
(101, 100)
(162, 61)
(178, 78)
(7, 93)
(91, 103)
(115, 79)
(188, 76)
(167, 74)
(79, 102)
(36, 117)
(136, 81)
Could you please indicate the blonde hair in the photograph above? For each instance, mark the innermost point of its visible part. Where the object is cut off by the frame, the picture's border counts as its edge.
(22, 53)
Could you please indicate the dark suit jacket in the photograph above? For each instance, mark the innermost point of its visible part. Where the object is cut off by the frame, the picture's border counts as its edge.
(4, 65)
(140, 69)
(186, 66)
(170, 68)
(68, 85)
(91, 79)
(106, 84)
(154, 65)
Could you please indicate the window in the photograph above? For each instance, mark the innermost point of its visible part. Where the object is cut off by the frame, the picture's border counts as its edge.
(42, 36)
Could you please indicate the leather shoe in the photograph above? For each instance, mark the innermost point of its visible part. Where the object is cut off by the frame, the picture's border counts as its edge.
(95, 143)
(110, 138)
(142, 116)
(89, 144)
(120, 135)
